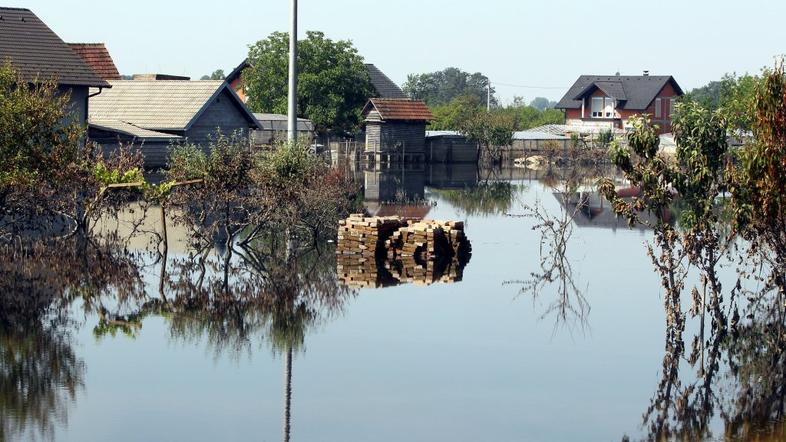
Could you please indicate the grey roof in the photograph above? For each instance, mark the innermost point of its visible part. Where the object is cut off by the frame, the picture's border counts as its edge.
(535, 135)
(280, 122)
(37, 53)
(131, 130)
(634, 92)
(172, 105)
(384, 86)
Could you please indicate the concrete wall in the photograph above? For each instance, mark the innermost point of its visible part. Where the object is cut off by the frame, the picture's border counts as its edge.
(451, 149)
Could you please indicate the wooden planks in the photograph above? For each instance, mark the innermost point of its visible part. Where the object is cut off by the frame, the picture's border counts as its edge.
(378, 252)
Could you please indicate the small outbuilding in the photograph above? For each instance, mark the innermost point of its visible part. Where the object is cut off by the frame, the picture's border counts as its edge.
(396, 129)
(153, 110)
(274, 128)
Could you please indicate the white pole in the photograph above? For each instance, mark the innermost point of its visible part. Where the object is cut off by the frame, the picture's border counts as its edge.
(292, 125)
(488, 95)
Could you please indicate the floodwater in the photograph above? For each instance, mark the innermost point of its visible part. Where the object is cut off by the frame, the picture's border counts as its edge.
(523, 346)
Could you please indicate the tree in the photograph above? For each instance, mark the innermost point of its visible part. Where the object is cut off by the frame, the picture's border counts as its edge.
(333, 82)
(218, 74)
(490, 131)
(541, 103)
(442, 87)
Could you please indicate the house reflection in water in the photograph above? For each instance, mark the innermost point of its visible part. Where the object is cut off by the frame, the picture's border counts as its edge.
(591, 209)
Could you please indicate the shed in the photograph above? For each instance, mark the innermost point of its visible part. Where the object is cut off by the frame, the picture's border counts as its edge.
(38, 54)
(446, 146)
(274, 128)
(396, 129)
(194, 111)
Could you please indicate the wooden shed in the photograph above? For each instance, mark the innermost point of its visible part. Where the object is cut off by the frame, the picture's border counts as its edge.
(192, 111)
(396, 129)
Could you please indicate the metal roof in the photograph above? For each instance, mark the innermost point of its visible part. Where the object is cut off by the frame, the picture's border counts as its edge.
(37, 53)
(280, 122)
(384, 86)
(638, 91)
(443, 133)
(97, 57)
(396, 109)
(131, 130)
(172, 105)
(535, 135)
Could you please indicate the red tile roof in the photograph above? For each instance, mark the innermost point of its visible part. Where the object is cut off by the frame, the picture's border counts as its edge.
(97, 57)
(399, 109)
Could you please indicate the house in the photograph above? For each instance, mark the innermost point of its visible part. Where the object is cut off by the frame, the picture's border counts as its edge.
(97, 57)
(609, 101)
(38, 54)
(396, 129)
(446, 146)
(155, 113)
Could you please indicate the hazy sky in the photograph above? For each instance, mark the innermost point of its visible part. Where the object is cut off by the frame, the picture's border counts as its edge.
(544, 43)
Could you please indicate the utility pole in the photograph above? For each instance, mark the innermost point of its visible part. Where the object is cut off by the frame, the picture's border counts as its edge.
(488, 94)
(292, 124)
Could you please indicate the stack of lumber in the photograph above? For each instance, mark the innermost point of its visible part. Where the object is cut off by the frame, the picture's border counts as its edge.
(375, 252)
(365, 236)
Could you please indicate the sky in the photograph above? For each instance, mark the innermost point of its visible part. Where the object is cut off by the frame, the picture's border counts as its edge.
(543, 45)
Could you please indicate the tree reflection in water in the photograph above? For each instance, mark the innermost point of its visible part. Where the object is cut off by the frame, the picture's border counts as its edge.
(570, 307)
(40, 373)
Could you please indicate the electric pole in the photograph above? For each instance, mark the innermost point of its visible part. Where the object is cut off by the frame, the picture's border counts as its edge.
(488, 94)
(292, 124)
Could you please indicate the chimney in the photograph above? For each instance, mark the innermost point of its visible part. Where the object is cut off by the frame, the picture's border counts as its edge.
(646, 73)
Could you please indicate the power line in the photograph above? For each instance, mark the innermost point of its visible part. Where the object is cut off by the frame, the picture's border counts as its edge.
(530, 87)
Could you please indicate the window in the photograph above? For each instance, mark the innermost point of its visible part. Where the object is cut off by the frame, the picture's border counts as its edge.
(672, 105)
(597, 107)
(609, 109)
(658, 108)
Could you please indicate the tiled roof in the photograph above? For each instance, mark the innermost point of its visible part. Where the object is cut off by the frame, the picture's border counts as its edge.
(385, 87)
(636, 91)
(391, 109)
(97, 57)
(279, 122)
(131, 130)
(37, 53)
(158, 105)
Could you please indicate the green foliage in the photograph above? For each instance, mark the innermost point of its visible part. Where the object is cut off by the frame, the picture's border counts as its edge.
(333, 82)
(541, 103)
(440, 88)
(451, 116)
(734, 95)
(490, 131)
(289, 161)
(218, 74)
(39, 138)
(106, 176)
(488, 198)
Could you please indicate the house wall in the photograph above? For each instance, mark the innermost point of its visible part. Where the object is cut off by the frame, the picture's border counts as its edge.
(155, 153)
(573, 116)
(223, 114)
(77, 101)
(237, 86)
(451, 149)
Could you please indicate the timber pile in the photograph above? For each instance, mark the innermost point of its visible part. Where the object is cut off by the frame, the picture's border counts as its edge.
(384, 251)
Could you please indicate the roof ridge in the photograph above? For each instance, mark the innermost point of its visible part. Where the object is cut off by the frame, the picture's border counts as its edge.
(9, 8)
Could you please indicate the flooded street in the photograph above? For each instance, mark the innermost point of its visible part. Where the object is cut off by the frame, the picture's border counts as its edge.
(268, 343)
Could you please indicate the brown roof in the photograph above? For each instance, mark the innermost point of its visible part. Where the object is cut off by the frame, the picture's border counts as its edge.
(97, 57)
(391, 109)
(37, 53)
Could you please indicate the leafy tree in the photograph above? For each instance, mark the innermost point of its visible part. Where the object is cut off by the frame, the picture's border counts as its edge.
(333, 82)
(490, 131)
(218, 74)
(733, 94)
(452, 115)
(442, 87)
(707, 95)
